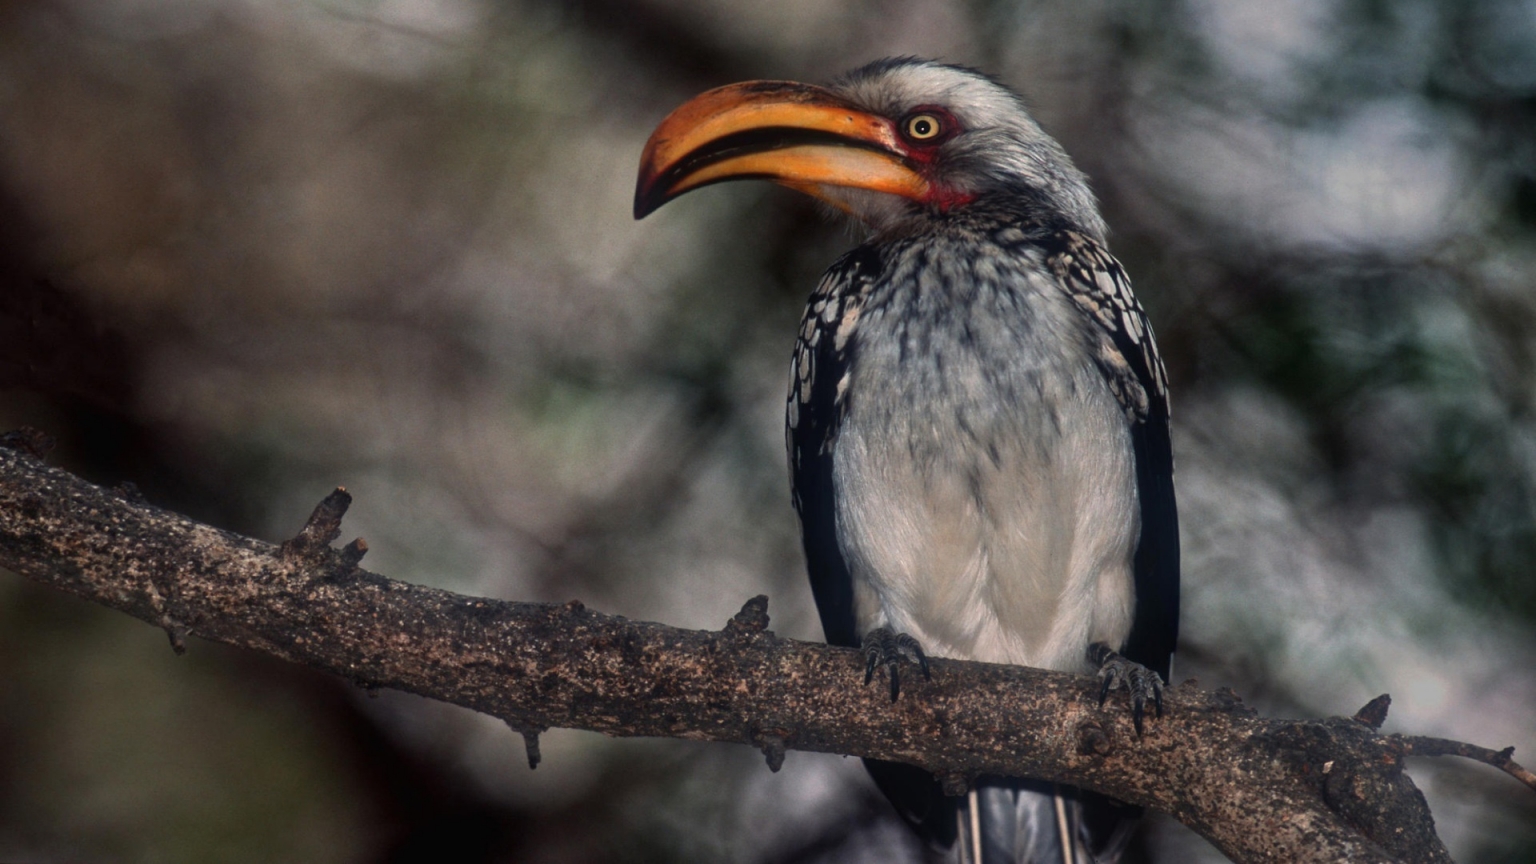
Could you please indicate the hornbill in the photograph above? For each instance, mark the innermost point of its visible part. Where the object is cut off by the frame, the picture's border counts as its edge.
(978, 417)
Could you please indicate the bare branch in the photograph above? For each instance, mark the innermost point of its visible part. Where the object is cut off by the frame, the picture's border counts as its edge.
(1418, 745)
(1260, 789)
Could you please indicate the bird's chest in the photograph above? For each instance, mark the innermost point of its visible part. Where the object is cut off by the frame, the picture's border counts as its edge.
(982, 468)
(955, 367)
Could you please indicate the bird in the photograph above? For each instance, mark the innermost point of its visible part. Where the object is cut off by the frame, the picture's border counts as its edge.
(978, 417)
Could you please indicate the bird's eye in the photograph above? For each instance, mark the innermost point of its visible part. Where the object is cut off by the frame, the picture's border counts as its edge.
(923, 127)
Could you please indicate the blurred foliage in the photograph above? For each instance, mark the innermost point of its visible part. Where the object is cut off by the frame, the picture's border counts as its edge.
(253, 249)
(115, 750)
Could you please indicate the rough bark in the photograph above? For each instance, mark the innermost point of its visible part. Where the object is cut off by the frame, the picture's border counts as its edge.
(1260, 789)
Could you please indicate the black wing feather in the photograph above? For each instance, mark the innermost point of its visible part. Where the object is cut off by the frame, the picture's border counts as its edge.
(815, 409)
(1155, 629)
(823, 351)
(1135, 371)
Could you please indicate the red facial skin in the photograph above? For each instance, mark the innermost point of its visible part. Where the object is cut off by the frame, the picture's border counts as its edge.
(924, 152)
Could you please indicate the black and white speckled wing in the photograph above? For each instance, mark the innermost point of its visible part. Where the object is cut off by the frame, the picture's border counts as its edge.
(1129, 359)
(817, 401)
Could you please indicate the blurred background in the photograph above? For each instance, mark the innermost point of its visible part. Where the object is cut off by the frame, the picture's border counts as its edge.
(253, 250)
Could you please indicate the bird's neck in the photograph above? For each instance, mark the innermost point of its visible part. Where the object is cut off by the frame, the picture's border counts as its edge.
(982, 217)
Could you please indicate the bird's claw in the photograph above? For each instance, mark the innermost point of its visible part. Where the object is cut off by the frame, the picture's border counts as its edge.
(885, 647)
(1116, 672)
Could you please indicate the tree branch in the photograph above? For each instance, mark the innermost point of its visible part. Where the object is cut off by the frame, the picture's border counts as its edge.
(1419, 745)
(1260, 789)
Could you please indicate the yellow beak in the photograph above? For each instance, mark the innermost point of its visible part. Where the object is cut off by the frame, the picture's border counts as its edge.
(801, 136)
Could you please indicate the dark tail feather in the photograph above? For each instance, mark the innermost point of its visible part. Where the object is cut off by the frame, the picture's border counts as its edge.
(920, 800)
(1016, 823)
(1008, 821)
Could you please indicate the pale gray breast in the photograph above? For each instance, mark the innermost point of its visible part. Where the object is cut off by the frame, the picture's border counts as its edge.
(962, 342)
(983, 471)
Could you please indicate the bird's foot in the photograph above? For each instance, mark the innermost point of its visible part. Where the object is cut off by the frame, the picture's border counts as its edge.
(1141, 683)
(885, 647)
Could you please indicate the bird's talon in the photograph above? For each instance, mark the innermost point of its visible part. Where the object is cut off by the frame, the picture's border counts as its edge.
(1141, 684)
(885, 647)
(913, 649)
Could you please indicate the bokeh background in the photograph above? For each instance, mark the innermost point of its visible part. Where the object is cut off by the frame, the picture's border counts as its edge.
(253, 250)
